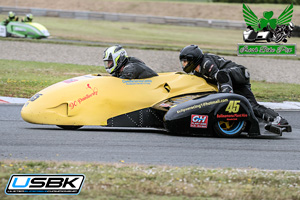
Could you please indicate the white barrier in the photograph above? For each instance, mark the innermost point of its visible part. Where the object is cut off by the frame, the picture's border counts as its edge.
(180, 21)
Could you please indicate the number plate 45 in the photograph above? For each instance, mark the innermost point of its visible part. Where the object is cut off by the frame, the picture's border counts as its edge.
(233, 107)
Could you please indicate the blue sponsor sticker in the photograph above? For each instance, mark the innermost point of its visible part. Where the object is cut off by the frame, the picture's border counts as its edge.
(137, 82)
(70, 80)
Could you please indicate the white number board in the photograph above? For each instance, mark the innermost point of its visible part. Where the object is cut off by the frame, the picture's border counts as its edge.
(2, 31)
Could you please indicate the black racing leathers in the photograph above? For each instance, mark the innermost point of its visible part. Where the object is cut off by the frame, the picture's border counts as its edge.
(231, 77)
(133, 68)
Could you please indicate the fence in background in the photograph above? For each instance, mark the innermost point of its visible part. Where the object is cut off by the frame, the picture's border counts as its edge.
(180, 21)
(87, 15)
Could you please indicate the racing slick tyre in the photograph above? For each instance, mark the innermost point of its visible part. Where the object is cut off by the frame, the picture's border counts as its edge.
(269, 37)
(229, 129)
(69, 127)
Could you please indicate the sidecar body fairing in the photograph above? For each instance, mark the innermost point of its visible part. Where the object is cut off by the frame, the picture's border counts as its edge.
(180, 103)
(23, 30)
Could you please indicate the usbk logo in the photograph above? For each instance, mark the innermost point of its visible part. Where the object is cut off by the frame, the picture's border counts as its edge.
(30, 184)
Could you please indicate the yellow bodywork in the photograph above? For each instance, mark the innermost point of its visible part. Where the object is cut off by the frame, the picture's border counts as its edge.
(92, 100)
(37, 26)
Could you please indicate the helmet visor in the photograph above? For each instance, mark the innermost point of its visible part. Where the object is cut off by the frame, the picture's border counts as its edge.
(187, 66)
(108, 64)
(184, 63)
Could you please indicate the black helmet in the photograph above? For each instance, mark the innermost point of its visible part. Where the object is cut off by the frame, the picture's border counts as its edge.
(190, 57)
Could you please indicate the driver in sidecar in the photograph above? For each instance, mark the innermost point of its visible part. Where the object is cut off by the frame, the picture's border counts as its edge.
(229, 76)
(11, 18)
(118, 64)
(27, 18)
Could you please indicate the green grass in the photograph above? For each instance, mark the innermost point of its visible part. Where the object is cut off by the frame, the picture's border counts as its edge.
(25, 78)
(143, 34)
(140, 35)
(167, 36)
(125, 181)
(275, 92)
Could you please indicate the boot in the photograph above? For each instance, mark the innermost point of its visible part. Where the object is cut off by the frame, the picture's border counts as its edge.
(279, 122)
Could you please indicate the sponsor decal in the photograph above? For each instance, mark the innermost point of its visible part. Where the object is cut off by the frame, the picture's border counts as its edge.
(2, 31)
(202, 105)
(210, 68)
(35, 97)
(231, 117)
(44, 184)
(89, 76)
(70, 80)
(137, 82)
(19, 29)
(26, 104)
(269, 49)
(267, 29)
(199, 121)
(93, 92)
(233, 106)
(165, 105)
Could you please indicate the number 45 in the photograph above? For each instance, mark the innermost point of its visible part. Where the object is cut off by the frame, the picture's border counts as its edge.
(233, 107)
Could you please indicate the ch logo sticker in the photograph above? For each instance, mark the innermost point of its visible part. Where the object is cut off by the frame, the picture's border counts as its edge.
(199, 121)
(233, 107)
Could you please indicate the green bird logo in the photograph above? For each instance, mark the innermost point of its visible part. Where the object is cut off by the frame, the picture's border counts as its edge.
(267, 22)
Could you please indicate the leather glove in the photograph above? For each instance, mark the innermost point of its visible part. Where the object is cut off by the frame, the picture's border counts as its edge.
(225, 89)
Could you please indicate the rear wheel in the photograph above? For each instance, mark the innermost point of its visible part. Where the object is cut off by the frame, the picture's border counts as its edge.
(69, 127)
(229, 128)
(269, 37)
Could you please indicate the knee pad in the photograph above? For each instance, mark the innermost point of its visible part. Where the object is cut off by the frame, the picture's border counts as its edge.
(239, 75)
(223, 77)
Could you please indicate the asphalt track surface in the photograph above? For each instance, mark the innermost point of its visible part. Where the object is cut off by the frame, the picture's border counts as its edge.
(23, 141)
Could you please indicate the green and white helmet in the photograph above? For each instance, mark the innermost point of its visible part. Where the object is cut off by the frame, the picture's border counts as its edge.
(11, 15)
(29, 17)
(113, 54)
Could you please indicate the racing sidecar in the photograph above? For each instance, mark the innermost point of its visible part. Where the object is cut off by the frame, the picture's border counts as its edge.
(179, 103)
(23, 30)
(251, 36)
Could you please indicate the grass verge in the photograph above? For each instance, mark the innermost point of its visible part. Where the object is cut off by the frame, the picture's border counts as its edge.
(25, 78)
(126, 181)
(275, 92)
(142, 35)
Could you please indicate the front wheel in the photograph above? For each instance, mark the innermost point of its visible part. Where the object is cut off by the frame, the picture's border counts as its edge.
(69, 127)
(229, 129)
(269, 37)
